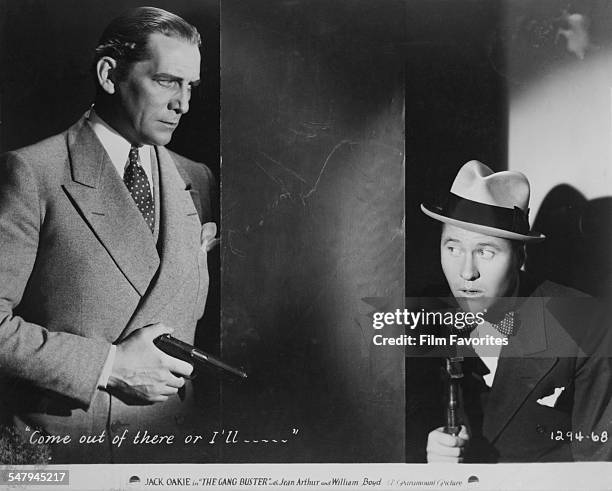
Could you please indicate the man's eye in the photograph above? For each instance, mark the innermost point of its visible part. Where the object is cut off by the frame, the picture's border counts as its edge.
(453, 251)
(486, 253)
(168, 84)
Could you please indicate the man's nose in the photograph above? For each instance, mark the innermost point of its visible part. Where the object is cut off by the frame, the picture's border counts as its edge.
(180, 102)
(469, 271)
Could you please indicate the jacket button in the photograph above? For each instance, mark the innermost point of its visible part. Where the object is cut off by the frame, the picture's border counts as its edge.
(541, 429)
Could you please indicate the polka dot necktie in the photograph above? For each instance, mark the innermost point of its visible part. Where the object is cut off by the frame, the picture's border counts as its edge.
(138, 185)
(506, 325)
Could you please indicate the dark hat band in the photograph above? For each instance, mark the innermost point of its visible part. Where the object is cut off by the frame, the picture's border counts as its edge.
(466, 210)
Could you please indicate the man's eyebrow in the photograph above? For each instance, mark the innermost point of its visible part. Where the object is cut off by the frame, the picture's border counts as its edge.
(449, 239)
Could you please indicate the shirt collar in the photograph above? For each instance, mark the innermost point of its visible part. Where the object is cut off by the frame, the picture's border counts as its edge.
(116, 146)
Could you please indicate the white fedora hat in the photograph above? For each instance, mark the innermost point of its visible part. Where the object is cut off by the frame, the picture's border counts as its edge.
(491, 203)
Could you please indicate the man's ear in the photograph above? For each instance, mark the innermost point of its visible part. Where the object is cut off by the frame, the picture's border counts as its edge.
(106, 73)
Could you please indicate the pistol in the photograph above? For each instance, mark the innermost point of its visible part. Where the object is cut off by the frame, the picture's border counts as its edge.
(183, 351)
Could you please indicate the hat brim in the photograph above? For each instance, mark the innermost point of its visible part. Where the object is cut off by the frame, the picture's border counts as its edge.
(483, 229)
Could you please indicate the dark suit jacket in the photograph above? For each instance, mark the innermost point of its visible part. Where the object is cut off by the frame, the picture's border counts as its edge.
(560, 344)
(80, 270)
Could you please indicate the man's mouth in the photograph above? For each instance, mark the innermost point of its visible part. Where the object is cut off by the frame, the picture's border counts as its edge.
(471, 292)
(171, 124)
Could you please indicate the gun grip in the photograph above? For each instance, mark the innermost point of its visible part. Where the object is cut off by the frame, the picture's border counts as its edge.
(175, 348)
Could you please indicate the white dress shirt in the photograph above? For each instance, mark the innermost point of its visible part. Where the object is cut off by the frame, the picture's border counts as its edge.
(489, 354)
(118, 148)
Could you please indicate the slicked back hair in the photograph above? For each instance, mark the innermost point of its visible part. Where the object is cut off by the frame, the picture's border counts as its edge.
(125, 38)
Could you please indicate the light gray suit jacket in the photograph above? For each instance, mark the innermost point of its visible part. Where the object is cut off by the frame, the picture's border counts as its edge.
(79, 270)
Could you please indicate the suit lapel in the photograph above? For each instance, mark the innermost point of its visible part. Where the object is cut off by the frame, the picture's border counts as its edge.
(179, 242)
(522, 364)
(108, 208)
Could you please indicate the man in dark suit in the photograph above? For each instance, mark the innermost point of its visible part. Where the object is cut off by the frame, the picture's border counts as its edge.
(101, 252)
(537, 374)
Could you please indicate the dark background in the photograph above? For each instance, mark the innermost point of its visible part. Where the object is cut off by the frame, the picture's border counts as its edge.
(456, 111)
(312, 211)
(46, 86)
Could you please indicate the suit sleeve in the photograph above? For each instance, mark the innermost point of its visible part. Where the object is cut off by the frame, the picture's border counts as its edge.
(61, 362)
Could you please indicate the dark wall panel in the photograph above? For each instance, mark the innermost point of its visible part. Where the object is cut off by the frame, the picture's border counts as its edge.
(312, 214)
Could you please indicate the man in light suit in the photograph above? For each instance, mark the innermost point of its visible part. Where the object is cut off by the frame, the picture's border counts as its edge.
(536, 387)
(100, 253)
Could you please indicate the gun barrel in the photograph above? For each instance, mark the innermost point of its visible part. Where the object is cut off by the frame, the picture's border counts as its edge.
(179, 349)
(200, 355)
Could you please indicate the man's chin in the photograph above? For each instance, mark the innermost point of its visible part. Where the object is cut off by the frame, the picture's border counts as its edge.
(493, 307)
(158, 136)
(474, 304)
(160, 140)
